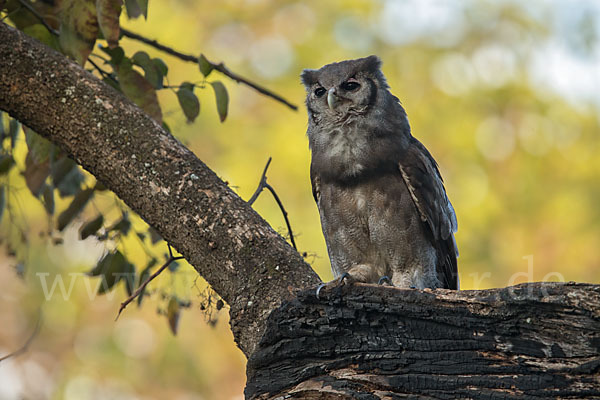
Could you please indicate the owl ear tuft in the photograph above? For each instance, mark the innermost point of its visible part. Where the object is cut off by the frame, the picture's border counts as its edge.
(371, 63)
(309, 77)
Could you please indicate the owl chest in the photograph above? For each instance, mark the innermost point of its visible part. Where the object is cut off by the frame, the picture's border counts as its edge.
(373, 212)
(346, 144)
(347, 210)
(341, 151)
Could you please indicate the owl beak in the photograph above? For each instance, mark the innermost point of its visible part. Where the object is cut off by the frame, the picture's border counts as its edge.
(332, 98)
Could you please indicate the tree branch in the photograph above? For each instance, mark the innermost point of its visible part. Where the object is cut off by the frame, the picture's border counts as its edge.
(246, 262)
(34, 333)
(216, 66)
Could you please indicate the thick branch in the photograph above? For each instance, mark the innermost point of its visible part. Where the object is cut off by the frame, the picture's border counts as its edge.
(531, 341)
(246, 262)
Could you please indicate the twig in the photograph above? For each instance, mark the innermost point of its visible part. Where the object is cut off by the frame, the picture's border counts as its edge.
(35, 13)
(23, 349)
(264, 184)
(147, 281)
(285, 214)
(218, 67)
(103, 72)
(261, 183)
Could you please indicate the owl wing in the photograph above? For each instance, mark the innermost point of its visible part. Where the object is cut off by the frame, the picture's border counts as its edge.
(316, 186)
(422, 177)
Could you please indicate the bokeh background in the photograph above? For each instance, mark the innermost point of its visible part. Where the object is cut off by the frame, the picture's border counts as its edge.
(505, 94)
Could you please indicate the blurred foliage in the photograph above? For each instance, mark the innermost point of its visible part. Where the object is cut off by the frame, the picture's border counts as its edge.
(504, 94)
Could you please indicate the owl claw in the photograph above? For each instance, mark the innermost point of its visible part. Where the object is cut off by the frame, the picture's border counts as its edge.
(335, 283)
(345, 275)
(321, 286)
(385, 279)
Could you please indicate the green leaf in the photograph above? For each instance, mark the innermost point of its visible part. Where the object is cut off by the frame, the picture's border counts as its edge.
(205, 66)
(112, 268)
(39, 32)
(140, 58)
(139, 90)
(13, 131)
(129, 278)
(91, 227)
(66, 176)
(144, 7)
(108, 20)
(35, 174)
(78, 28)
(123, 225)
(112, 83)
(189, 103)
(48, 196)
(2, 201)
(151, 71)
(222, 99)
(173, 266)
(161, 66)
(143, 276)
(99, 187)
(40, 148)
(6, 162)
(116, 55)
(155, 237)
(60, 168)
(135, 8)
(101, 265)
(78, 203)
(173, 313)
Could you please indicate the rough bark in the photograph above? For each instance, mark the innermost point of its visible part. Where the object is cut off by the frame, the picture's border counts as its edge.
(537, 340)
(246, 262)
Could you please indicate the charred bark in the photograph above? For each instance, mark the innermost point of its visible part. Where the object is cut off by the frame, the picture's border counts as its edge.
(536, 341)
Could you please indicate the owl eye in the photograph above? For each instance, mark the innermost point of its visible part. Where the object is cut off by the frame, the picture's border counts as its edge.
(350, 86)
(320, 92)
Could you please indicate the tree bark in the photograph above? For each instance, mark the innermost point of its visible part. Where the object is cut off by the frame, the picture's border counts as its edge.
(356, 341)
(537, 341)
(245, 261)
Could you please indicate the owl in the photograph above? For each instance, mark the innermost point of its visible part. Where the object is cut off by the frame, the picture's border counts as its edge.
(384, 211)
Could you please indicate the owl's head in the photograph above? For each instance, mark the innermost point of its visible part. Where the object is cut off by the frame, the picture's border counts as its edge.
(339, 90)
(355, 124)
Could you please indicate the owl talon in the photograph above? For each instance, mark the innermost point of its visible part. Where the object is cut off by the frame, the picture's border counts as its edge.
(335, 283)
(321, 286)
(385, 279)
(345, 275)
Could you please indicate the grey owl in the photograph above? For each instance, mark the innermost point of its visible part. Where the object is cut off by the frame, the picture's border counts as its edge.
(383, 207)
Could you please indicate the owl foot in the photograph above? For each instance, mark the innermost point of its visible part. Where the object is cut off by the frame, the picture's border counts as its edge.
(335, 283)
(385, 279)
